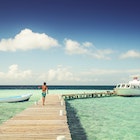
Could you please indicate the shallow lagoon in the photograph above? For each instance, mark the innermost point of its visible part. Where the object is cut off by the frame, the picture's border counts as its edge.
(108, 118)
(8, 110)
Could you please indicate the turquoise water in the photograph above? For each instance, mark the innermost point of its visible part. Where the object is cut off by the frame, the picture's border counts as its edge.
(8, 110)
(108, 118)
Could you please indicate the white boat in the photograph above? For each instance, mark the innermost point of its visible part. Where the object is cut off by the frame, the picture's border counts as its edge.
(132, 88)
(19, 98)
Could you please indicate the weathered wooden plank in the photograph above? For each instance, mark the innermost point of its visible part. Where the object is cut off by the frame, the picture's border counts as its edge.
(50, 136)
(34, 122)
(38, 122)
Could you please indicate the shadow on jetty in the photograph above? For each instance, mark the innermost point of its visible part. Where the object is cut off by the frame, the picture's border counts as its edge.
(76, 130)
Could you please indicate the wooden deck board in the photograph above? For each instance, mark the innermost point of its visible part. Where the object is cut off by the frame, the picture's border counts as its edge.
(38, 122)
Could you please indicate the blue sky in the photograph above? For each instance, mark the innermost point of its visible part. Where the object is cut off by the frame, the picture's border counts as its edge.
(73, 42)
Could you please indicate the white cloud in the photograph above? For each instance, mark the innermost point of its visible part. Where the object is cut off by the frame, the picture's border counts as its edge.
(95, 71)
(27, 40)
(65, 75)
(102, 53)
(61, 74)
(130, 54)
(100, 72)
(86, 48)
(87, 44)
(73, 47)
(108, 76)
(15, 75)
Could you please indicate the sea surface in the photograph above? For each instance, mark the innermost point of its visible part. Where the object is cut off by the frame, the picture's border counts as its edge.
(106, 118)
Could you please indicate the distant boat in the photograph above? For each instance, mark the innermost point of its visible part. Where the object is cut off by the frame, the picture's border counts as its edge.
(130, 89)
(19, 98)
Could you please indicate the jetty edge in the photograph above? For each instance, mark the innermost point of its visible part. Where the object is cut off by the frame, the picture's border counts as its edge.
(38, 122)
(89, 95)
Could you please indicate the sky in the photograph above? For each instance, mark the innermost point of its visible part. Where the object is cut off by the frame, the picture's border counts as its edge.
(69, 42)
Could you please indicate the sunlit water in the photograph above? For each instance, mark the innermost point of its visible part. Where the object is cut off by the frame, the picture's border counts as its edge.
(108, 118)
(8, 110)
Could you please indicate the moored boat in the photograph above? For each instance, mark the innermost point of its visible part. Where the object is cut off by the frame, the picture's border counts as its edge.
(19, 98)
(130, 89)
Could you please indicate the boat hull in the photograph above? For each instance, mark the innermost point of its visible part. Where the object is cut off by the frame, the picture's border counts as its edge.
(20, 98)
(127, 92)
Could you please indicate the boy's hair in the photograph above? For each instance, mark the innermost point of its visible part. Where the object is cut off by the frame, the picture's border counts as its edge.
(44, 83)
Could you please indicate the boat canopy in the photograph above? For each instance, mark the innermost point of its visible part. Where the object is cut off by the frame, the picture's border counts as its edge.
(135, 82)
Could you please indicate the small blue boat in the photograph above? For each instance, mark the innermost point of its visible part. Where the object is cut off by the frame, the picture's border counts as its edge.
(19, 98)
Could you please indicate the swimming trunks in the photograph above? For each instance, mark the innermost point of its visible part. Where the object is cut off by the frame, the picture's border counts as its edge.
(44, 94)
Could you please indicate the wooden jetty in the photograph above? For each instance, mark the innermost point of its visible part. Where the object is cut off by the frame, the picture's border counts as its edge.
(88, 95)
(38, 122)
